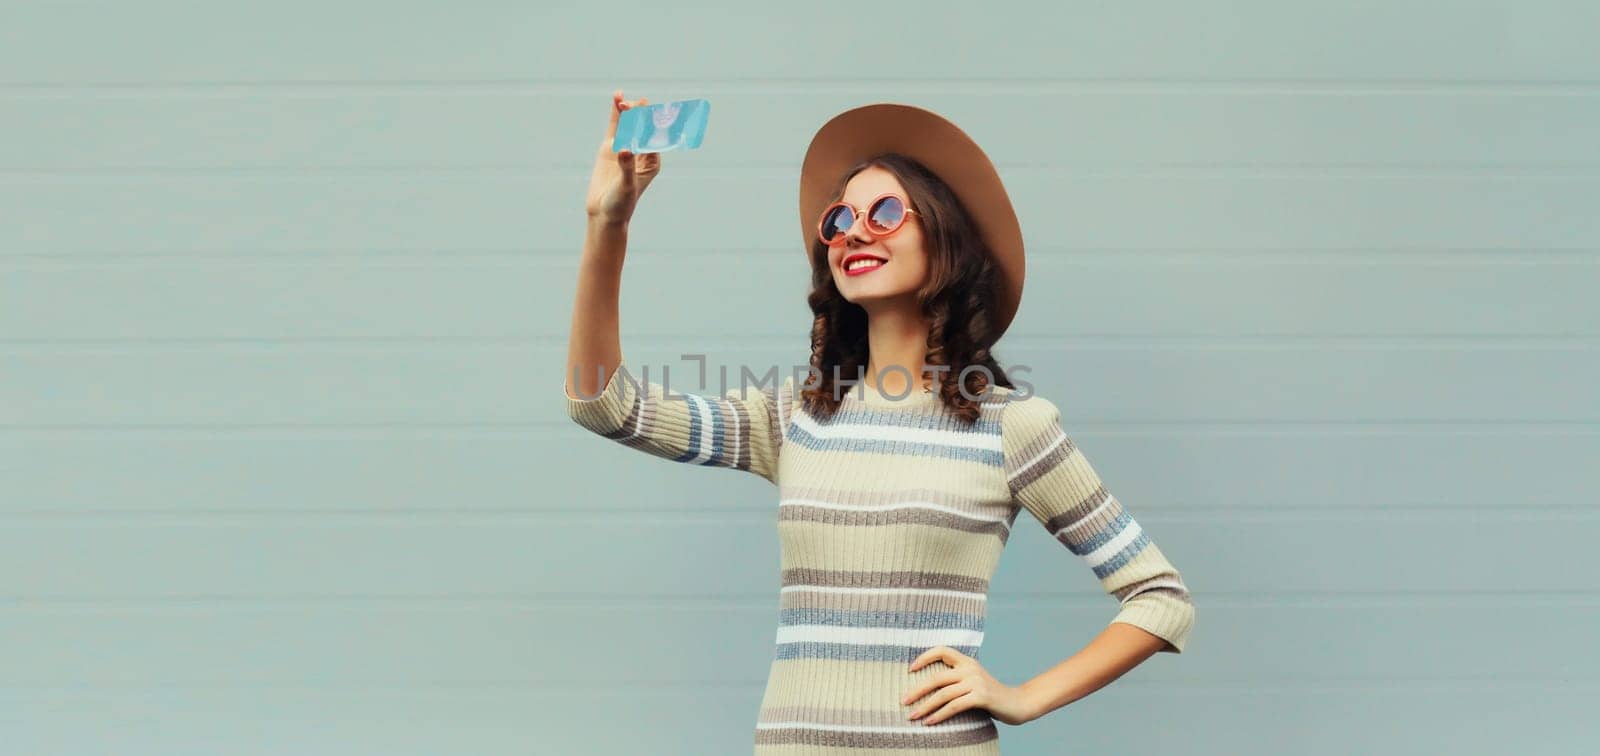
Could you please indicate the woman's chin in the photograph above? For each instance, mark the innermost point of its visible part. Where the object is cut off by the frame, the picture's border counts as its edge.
(868, 295)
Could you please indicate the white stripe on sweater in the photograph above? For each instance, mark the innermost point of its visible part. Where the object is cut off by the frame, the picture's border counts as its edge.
(1109, 500)
(879, 636)
(1110, 548)
(873, 432)
(946, 592)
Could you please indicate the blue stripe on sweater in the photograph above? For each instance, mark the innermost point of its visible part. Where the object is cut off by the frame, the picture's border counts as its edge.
(854, 652)
(691, 405)
(799, 435)
(881, 618)
(1106, 535)
(988, 422)
(718, 431)
(1123, 557)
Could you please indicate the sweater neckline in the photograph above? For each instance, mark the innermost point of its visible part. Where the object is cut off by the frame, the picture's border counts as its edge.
(863, 394)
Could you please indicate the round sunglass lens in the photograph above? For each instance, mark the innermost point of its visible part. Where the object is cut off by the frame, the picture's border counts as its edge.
(836, 222)
(886, 214)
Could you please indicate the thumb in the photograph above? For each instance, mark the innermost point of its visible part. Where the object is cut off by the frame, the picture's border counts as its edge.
(625, 160)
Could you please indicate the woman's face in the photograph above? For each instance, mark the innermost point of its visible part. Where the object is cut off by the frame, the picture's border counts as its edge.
(904, 263)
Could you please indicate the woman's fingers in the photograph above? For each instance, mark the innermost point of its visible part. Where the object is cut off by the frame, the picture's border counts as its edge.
(611, 122)
(649, 163)
(625, 161)
(616, 112)
(617, 106)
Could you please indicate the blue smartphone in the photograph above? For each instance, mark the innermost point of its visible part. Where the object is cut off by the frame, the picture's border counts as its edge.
(663, 127)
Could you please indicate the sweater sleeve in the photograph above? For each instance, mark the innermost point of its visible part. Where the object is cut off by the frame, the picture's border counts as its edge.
(740, 429)
(1049, 475)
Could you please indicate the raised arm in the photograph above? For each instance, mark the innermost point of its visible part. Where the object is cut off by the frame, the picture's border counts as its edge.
(594, 346)
(1049, 475)
(739, 429)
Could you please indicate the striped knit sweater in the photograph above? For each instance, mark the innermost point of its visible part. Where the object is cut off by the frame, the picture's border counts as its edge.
(891, 517)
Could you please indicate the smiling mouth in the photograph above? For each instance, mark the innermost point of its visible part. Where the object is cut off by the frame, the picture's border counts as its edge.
(863, 264)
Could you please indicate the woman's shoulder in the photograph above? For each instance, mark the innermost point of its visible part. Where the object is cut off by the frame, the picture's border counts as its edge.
(1024, 412)
(787, 401)
(1023, 396)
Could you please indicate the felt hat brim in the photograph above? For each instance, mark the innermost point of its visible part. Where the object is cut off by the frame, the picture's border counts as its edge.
(931, 139)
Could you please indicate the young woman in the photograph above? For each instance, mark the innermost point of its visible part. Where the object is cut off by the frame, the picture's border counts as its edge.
(901, 460)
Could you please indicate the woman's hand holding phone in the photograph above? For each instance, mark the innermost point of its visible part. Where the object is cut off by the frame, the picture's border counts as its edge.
(619, 177)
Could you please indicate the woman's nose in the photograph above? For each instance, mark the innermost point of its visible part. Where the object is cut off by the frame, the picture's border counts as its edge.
(862, 236)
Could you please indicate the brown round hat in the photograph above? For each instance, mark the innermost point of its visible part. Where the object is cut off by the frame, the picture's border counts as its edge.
(931, 139)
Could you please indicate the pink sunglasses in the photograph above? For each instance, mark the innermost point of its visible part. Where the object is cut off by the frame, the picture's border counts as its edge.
(885, 215)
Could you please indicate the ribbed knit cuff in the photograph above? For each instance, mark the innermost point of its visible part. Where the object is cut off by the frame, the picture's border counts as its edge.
(608, 411)
(1161, 614)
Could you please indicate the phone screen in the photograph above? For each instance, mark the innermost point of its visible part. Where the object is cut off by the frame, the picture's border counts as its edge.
(663, 127)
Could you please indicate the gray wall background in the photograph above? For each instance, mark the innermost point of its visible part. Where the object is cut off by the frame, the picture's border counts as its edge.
(285, 288)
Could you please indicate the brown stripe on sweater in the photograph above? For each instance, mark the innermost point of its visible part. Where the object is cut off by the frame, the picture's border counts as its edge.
(1074, 516)
(916, 736)
(1042, 466)
(891, 602)
(800, 512)
(823, 715)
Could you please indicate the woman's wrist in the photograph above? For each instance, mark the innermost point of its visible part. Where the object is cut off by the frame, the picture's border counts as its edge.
(1038, 703)
(607, 222)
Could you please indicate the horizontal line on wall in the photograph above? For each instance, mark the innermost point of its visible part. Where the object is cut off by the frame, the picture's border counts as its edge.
(564, 429)
(744, 513)
(1077, 169)
(1034, 341)
(1008, 600)
(779, 170)
(629, 689)
(239, 258)
(709, 86)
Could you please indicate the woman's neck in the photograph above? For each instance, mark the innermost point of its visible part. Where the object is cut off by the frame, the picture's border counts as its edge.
(897, 343)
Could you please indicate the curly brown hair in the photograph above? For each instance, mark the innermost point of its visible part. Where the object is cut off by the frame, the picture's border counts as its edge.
(963, 279)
